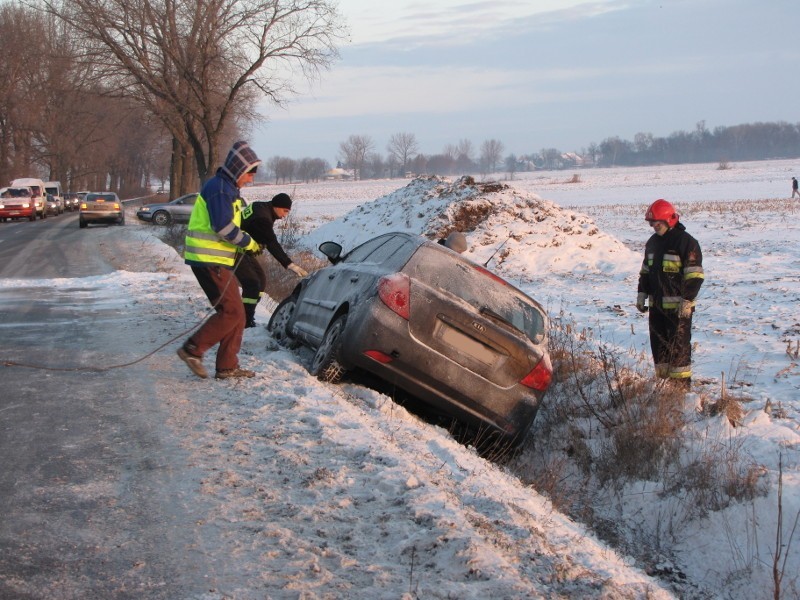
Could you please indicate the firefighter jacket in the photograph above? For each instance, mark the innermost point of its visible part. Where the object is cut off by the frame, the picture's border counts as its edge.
(672, 269)
(258, 221)
(214, 235)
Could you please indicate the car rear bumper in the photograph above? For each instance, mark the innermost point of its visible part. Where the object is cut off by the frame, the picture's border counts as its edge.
(433, 377)
(101, 217)
(16, 213)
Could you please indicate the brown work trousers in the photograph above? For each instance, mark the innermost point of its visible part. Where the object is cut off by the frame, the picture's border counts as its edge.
(226, 326)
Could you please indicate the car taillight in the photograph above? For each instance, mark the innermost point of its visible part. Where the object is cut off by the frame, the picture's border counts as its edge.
(540, 377)
(116, 206)
(379, 356)
(395, 292)
(488, 273)
(84, 206)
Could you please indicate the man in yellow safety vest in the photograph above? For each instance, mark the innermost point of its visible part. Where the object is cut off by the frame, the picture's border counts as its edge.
(213, 240)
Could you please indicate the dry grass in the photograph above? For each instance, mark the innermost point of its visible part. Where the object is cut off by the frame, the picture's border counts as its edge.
(606, 425)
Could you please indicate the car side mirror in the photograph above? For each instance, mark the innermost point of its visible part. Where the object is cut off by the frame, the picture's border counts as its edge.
(332, 250)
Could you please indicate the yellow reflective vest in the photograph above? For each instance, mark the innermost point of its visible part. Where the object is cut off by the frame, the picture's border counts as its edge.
(203, 244)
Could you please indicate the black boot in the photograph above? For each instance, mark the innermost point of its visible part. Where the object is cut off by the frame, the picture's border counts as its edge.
(249, 315)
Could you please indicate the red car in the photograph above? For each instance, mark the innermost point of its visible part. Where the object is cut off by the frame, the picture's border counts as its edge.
(17, 203)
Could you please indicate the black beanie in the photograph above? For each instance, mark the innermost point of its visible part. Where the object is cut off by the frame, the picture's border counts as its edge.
(282, 201)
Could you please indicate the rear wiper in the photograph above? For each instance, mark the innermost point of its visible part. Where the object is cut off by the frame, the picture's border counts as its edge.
(485, 310)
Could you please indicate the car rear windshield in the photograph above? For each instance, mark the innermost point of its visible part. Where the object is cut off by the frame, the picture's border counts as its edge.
(101, 198)
(488, 294)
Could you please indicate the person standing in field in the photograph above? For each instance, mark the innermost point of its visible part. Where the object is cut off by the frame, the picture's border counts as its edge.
(794, 188)
(669, 281)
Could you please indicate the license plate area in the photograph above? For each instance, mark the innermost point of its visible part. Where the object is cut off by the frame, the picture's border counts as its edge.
(465, 344)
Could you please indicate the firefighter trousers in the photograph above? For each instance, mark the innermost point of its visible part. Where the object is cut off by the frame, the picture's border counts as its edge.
(671, 344)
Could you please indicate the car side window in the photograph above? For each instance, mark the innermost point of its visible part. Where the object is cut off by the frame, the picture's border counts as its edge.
(360, 253)
(394, 253)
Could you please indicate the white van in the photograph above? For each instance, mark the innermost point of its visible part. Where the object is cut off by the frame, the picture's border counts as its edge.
(37, 193)
(54, 189)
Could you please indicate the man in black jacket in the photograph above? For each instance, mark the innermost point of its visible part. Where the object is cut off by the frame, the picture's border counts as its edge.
(669, 281)
(258, 220)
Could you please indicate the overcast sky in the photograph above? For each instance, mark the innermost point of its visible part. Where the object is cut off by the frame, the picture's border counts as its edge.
(540, 74)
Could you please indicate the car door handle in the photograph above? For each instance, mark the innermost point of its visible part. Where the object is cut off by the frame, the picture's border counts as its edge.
(353, 279)
(332, 275)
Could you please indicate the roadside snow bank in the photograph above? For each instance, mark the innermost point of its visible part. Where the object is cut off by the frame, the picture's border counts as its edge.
(517, 230)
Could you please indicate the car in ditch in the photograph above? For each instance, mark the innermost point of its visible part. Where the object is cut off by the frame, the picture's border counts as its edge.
(101, 207)
(167, 213)
(431, 322)
(17, 203)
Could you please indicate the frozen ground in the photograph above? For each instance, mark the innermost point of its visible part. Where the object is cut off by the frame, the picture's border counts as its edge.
(319, 491)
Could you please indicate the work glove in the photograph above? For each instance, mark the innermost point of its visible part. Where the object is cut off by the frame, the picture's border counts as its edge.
(297, 270)
(641, 302)
(685, 310)
(252, 247)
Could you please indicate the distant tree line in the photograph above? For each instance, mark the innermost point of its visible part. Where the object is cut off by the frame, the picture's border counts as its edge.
(358, 155)
(752, 141)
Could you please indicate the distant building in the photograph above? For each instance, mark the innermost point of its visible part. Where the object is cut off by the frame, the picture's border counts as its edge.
(338, 174)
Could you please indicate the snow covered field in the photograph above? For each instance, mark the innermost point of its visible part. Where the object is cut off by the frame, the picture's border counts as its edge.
(746, 330)
(319, 491)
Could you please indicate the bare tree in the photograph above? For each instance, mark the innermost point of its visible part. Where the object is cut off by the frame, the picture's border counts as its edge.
(491, 151)
(401, 147)
(511, 165)
(464, 149)
(353, 152)
(283, 168)
(200, 66)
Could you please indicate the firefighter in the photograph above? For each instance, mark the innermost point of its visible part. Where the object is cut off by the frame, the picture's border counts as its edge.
(258, 220)
(670, 278)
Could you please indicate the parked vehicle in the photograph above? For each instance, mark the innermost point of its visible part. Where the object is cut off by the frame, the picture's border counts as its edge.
(101, 207)
(429, 321)
(17, 203)
(37, 193)
(71, 201)
(166, 213)
(54, 189)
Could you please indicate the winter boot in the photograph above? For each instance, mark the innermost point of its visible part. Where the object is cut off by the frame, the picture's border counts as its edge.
(249, 315)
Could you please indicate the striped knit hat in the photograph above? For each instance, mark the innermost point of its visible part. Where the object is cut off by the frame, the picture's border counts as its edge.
(240, 160)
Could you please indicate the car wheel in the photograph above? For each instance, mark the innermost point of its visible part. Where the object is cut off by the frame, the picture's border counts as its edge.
(32, 217)
(325, 365)
(81, 223)
(161, 218)
(278, 325)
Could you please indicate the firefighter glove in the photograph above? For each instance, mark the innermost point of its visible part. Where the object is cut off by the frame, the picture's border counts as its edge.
(686, 308)
(641, 302)
(297, 270)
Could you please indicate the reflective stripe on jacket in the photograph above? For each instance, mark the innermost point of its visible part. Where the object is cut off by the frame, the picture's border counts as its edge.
(672, 269)
(203, 244)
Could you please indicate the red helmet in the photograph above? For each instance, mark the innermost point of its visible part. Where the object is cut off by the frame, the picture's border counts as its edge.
(661, 210)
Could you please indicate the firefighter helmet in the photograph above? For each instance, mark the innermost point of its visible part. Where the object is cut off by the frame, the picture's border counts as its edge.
(661, 210)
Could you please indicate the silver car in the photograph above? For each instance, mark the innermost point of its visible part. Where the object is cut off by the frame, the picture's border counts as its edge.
(100, 207)
(429, 321)
(166, 213)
